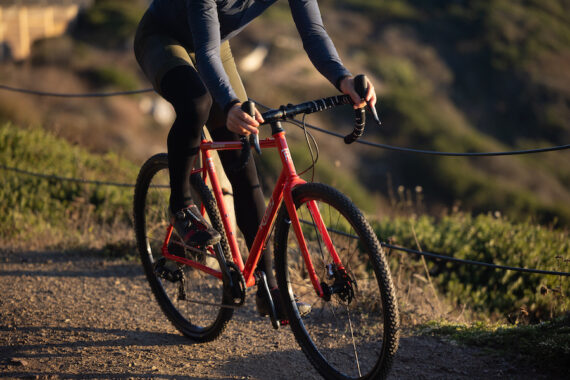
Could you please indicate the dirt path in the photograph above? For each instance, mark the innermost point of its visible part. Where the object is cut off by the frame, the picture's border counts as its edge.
(76, 315)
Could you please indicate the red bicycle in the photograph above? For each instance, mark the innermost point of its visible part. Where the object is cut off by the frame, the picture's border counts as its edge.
(325, 251)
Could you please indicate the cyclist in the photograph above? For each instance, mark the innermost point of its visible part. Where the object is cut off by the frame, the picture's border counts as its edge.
(183, 48)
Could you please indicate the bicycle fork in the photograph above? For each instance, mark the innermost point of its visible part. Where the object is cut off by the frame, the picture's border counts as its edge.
(336, 268)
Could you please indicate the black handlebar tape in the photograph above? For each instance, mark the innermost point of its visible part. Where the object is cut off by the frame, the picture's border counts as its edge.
(249, 108)
(359, 123)
(361, 87)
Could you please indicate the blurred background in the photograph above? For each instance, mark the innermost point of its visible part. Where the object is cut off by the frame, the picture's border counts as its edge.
(452, 75)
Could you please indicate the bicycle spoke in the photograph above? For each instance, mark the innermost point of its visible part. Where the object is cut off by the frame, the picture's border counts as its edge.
(191, 299)
(353, 343)
(347, 325)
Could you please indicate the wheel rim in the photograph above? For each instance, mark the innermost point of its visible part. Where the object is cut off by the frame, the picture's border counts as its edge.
(187, 300)
(347, 329)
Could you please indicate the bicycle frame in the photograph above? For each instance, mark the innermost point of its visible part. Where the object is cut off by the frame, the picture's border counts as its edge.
(282, 192)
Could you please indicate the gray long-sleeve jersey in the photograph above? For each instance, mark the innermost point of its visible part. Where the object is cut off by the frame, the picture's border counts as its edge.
(201, 25)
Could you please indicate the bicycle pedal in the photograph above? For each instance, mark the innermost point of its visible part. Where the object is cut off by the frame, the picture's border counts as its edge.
(284, 322)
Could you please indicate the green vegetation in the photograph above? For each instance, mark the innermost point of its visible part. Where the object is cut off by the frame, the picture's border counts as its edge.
(111, 23)
(113, 76)
(545, 345)
(382, 10)
(50, 212)
(490, 293)
(433, 104)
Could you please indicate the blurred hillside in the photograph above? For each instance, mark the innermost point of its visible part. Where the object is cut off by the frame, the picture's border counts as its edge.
(452, 75)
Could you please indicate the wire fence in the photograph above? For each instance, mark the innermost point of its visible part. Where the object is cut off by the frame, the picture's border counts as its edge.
(78, 95)
(430, 255)
(359, 141)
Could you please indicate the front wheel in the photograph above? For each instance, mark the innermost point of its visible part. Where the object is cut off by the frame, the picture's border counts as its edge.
(352, 331)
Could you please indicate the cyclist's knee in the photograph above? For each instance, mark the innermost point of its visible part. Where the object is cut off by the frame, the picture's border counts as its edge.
(184, 89)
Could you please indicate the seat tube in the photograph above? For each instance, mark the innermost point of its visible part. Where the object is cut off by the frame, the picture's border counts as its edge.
(217, 190)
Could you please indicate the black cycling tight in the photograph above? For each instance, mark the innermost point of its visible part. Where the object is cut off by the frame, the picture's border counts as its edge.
(184, 89)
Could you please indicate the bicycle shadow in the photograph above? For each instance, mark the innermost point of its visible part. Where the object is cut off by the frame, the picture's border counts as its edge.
(14, 358)
(85, 263)
(273, 363)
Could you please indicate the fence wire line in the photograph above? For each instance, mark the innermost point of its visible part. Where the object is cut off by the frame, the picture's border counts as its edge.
(438, 153)
(66, 95)
(472, 262)
(360, 141)
(387, 245)
(65, 179)
(429, 152)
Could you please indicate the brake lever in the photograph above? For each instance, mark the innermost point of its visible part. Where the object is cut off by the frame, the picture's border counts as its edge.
(249, 108)
(374, 113)
(361, 87)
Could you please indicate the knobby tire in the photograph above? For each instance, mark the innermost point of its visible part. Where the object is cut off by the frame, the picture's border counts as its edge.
(343, 340)
(198, 322)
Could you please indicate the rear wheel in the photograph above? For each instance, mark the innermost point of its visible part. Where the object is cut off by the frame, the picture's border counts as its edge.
(351, 332)
(190, 298)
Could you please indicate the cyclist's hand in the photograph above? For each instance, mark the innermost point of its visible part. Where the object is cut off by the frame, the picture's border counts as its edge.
(241, 123)
(347, 87)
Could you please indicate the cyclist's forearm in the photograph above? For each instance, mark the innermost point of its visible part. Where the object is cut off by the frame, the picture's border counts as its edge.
(316, 41)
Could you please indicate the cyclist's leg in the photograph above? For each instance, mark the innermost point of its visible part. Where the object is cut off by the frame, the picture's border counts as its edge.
(249, 202)
(171, 71)
(169, 67)
(183, 88)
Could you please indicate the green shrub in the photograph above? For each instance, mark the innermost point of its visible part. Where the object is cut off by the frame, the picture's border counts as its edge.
(386, 9)
(34, 208)
(486, 238)
(425, 120)
(112, 76)
(112, 23)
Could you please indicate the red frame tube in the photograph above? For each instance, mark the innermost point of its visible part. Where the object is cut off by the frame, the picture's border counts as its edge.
(184, 260)
(288, 179)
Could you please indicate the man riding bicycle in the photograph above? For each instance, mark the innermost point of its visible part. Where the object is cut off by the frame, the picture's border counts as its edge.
(183, 48)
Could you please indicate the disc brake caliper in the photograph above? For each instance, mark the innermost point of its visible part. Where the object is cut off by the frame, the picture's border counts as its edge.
(343, 286)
